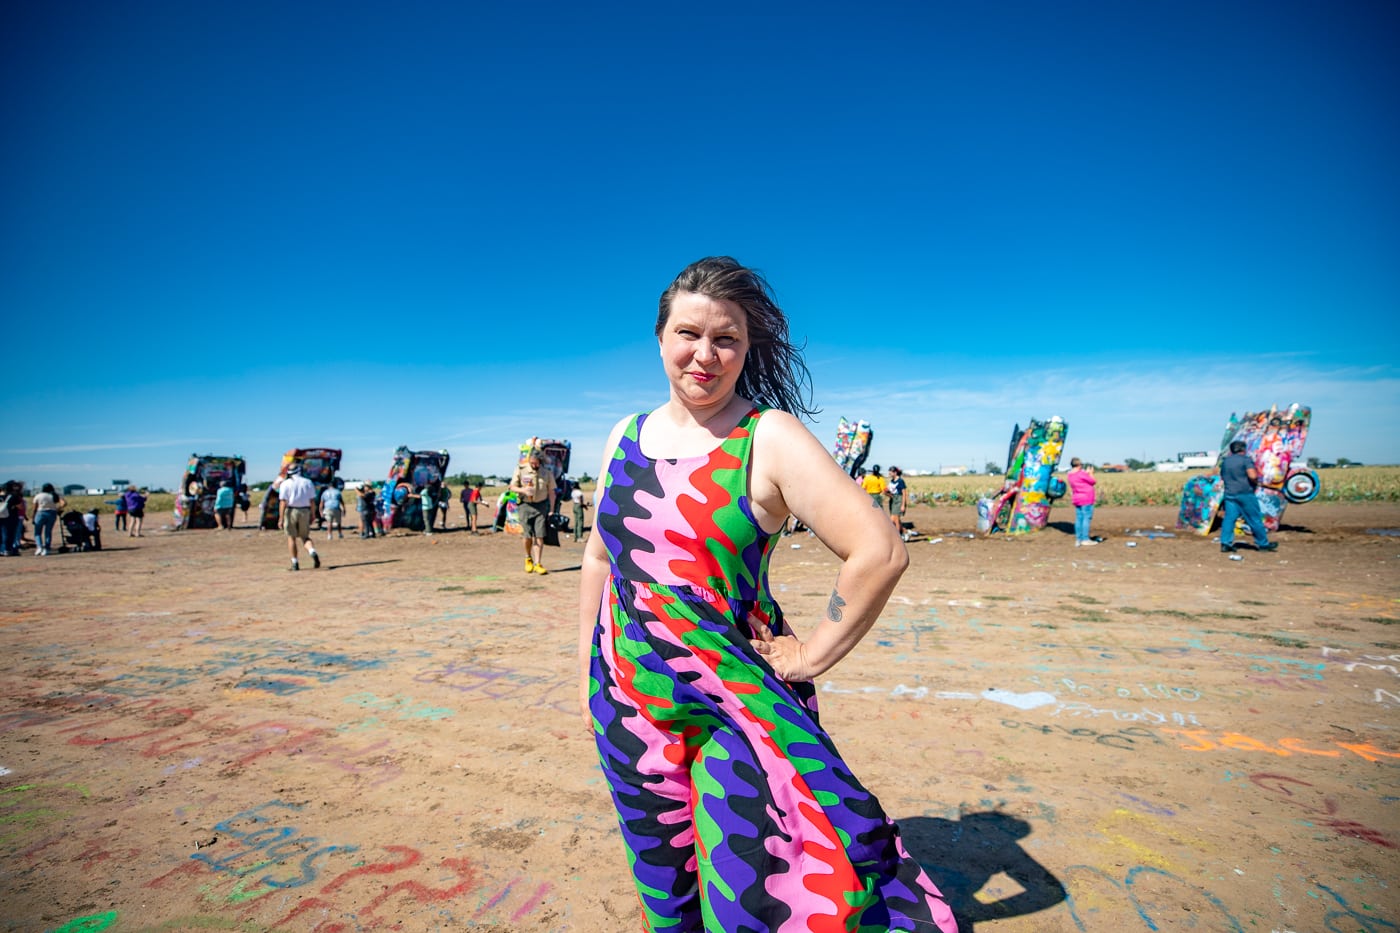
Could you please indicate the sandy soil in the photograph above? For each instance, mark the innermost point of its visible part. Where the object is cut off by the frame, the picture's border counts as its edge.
(1116, 739)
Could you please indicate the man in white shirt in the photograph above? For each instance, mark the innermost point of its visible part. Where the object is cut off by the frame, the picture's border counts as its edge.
(296, 506)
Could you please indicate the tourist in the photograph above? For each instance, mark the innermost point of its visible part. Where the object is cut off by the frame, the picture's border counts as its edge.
(1082, 495)
(48, 504)
(333, 508)
(1239, 478)
(224, 501)
(135, 510)
(733, 802)
(296, 501)
(534, 484)
(897, 495)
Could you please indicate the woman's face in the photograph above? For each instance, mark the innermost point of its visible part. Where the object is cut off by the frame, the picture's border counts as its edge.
(703, 347)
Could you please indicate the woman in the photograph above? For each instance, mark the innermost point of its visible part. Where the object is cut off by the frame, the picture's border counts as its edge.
(897, 493)
(699, 696)
(136, 511)
(47, 504)
(223, 505)
(1081, 495)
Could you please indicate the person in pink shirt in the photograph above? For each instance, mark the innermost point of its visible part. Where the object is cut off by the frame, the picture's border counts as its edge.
(1081, 495)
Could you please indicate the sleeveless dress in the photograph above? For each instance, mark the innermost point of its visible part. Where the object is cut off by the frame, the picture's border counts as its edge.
(737, 812)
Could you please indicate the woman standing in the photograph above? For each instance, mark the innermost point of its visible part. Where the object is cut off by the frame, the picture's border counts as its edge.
(47, 504)
(136, 510)
(1081, 495)
(735, 806)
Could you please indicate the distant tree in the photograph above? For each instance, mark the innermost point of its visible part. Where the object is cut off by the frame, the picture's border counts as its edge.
(1314, 463)
(1343, 461)
(260, 486)
(465, 479)
(1139, 464)
(991, 468)
(585, 478)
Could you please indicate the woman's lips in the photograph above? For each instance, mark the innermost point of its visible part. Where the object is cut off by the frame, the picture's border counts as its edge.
(702, 377)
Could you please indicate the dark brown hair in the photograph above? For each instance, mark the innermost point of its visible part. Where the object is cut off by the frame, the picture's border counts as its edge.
(774, 373)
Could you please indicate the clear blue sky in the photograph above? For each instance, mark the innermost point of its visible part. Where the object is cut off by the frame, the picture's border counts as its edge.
(238, 228)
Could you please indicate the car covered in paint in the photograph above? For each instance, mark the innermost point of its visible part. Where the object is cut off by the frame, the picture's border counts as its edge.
(409, 473)
(318, 464)
(1274, 441)
(200, 482)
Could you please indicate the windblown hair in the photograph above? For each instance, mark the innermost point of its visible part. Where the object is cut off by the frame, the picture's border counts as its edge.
(774, 373)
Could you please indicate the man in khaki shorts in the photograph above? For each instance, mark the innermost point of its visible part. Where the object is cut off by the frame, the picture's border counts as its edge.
(535, 485)
(296, 506)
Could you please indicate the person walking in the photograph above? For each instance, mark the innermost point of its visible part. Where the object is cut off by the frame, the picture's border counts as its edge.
(47, 506)
(135, 510)
(1239, 478)
(580, 504)
(734, 804)
(333, 507)
(534, 484)
(296, 503)
(1082, 495)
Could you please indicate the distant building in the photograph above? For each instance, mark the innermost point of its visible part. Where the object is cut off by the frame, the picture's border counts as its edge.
(74, 489)
(1198, 459)
(952, 471)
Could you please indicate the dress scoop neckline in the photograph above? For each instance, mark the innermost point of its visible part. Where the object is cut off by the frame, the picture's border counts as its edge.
(642, 420)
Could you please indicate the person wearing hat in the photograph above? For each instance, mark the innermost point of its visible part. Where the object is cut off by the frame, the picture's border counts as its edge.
(296, 505)
(533, 482)
(874, 486)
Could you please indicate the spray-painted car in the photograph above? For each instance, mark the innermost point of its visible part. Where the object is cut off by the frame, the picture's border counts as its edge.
(554, 456)
(852, 445)
(1023, 504)
(1274, 440)
(410, 472)
(194, 498)
(318, 464)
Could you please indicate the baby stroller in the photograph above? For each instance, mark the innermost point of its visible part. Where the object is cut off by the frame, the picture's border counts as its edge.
(76, 536)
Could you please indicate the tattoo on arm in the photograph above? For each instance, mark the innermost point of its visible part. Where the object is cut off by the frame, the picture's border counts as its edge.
(834, 607)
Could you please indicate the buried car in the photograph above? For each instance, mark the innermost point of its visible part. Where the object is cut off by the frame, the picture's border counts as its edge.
(318, 464)
(1274, 440)
(204, 474)
(409, 473)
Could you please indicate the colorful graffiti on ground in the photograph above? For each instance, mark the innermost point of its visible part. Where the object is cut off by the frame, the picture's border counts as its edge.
(194, 499)
(852, 444)
(1274, 441)
(318, 464)
(409, 473)
(554, 456)
(1023, 504)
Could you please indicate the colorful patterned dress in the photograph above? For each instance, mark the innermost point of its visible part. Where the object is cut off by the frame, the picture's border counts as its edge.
(737, 812)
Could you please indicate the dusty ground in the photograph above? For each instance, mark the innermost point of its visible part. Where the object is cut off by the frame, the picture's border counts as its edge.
(1116, 739)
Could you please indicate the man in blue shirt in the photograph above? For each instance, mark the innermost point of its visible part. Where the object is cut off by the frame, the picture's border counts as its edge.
(1239, 477)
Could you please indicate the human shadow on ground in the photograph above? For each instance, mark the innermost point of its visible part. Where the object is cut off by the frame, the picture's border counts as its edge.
(963, 855)
(364, 563)
(1062, 527)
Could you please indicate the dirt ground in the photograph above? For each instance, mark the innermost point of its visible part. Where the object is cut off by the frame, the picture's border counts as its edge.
(1139, 736)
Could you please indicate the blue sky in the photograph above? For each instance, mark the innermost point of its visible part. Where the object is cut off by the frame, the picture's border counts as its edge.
(238, 228)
